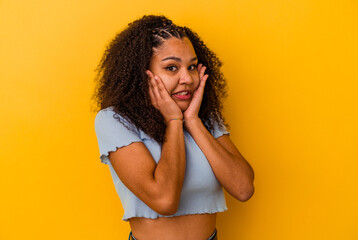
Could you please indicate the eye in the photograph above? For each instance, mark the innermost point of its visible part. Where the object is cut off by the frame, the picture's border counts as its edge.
(171, 68)
(192, 67)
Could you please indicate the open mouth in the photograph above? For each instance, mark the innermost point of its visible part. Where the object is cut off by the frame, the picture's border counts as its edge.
(183, 95)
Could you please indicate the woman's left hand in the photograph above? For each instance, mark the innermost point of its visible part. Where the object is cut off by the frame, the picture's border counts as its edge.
(193, 110)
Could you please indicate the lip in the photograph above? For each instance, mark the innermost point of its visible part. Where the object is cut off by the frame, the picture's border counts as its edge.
(182, 97)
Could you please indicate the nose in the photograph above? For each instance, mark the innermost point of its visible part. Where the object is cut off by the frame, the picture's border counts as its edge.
(186, 77)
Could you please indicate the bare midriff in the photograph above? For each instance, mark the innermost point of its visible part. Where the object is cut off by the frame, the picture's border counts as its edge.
(190, 227)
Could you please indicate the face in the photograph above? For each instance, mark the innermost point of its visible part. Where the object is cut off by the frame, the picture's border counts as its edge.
(175, 63)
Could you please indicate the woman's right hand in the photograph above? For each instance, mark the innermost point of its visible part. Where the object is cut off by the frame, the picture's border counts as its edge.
(161, 99)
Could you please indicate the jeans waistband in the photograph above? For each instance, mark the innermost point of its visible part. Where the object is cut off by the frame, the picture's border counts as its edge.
(212, 237)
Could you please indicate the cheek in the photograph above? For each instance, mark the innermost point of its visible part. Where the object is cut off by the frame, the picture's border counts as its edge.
(169, 83)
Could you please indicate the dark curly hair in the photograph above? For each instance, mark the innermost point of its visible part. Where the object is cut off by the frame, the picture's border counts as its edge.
(123, 84)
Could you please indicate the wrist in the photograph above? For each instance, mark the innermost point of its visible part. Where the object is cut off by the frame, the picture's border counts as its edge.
(192, 122)
(174, 121)
(173, 117)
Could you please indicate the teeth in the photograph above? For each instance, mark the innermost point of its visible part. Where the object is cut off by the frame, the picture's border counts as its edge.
(182, 93)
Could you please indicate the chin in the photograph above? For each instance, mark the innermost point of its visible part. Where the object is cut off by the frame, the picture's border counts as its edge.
(183, 107)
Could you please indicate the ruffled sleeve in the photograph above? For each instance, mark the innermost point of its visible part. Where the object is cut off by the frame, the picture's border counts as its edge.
(112, 134)
(219, 130)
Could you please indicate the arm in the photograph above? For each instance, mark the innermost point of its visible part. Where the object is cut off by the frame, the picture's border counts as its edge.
(232, 171)
(157, 185)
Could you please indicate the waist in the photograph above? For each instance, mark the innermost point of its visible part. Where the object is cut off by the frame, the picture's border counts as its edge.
(194, 226)
(212, 237)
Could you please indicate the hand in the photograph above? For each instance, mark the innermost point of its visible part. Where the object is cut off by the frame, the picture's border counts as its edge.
(193, 110)
(161, 99)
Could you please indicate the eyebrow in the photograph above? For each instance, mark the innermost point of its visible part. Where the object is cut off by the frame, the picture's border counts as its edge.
(178, 59)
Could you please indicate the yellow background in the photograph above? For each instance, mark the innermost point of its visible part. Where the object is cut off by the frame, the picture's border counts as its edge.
(291, 67)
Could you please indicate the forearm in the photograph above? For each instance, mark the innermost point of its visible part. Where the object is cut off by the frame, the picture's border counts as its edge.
(170, 170)
(232, 171)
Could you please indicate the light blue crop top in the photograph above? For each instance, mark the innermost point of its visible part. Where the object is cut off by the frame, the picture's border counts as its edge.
(201, 192)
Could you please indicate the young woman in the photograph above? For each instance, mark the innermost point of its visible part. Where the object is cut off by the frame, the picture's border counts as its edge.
(161, 131)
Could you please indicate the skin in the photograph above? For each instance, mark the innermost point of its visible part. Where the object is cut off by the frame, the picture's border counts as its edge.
(175, 65)
(174, 68)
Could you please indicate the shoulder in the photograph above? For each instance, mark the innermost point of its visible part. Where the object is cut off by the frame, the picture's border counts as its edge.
(108, 116)
(218, 129)
(107, 120)
(113, 131)
(105, 115)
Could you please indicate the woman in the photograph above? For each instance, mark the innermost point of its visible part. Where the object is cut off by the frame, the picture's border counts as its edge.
(163, 136)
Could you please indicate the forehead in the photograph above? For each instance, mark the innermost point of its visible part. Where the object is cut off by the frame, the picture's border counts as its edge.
(175, 47)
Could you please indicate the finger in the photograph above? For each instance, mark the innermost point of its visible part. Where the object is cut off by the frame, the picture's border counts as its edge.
(149, 74)
(150, 77)
(202, 72)
(199, 67)
(152, 85)
(200, 89)
(203, 80)
(155, 87)
(162, 89)
(152, 98)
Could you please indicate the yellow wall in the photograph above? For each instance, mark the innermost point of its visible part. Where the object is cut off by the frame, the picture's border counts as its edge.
(292, 73)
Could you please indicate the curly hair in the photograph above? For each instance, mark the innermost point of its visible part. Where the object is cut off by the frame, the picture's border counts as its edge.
(122, 82)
